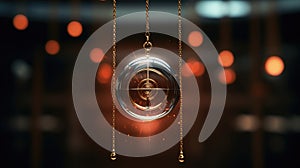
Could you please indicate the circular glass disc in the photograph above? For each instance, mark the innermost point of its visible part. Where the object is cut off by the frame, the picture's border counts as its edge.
(146, 89)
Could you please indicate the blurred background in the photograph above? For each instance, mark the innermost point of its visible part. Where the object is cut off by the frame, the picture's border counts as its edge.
(258, 42)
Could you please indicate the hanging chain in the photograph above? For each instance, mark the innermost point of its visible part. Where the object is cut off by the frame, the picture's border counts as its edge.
(181, 155)
(113, 155)
(147, 45)
(147, 33)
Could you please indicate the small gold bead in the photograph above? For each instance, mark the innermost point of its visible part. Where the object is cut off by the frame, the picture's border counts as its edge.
(113, 156)
(181, 157)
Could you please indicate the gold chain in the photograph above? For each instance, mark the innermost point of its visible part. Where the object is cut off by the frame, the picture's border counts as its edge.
(181, 156)
(147, 45)
(113, 155)
(147, 33)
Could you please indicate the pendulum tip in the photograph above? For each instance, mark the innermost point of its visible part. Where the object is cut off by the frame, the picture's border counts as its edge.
(113, 156)
(181, 157)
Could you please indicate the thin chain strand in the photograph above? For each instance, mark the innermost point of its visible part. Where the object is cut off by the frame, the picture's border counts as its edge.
(114, 54)
(181, 155)
(147, 33)
(147, 45)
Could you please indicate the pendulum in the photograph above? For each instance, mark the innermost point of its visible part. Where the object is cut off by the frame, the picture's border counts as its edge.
(146, 89)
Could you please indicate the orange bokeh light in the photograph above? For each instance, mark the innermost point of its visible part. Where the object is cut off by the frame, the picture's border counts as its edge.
(20, 22)
(274, 66)
(193, 67)
(195, 38)
(52, 47)
(228, 77)
(226, 58)
(104, 73)
(74, 28)
(96, 55)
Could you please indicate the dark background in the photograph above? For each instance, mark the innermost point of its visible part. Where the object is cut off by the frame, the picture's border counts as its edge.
(260, 126)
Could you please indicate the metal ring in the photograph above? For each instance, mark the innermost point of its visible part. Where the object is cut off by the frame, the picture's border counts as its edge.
(147, 34)
(147, 45)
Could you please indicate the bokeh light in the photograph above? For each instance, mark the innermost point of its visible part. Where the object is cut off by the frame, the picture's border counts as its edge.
(219, 9)
(96, 55)
(74, 28)
(52, 47)
(193, 67)
(226, 58)
(104, 73)
(275, 124)
(195, 38)
(246, 122)
(21, 69)
(20, 22)
(274, 66)
(228, 77)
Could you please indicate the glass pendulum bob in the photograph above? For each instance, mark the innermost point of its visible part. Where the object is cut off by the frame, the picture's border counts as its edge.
(146, 89)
